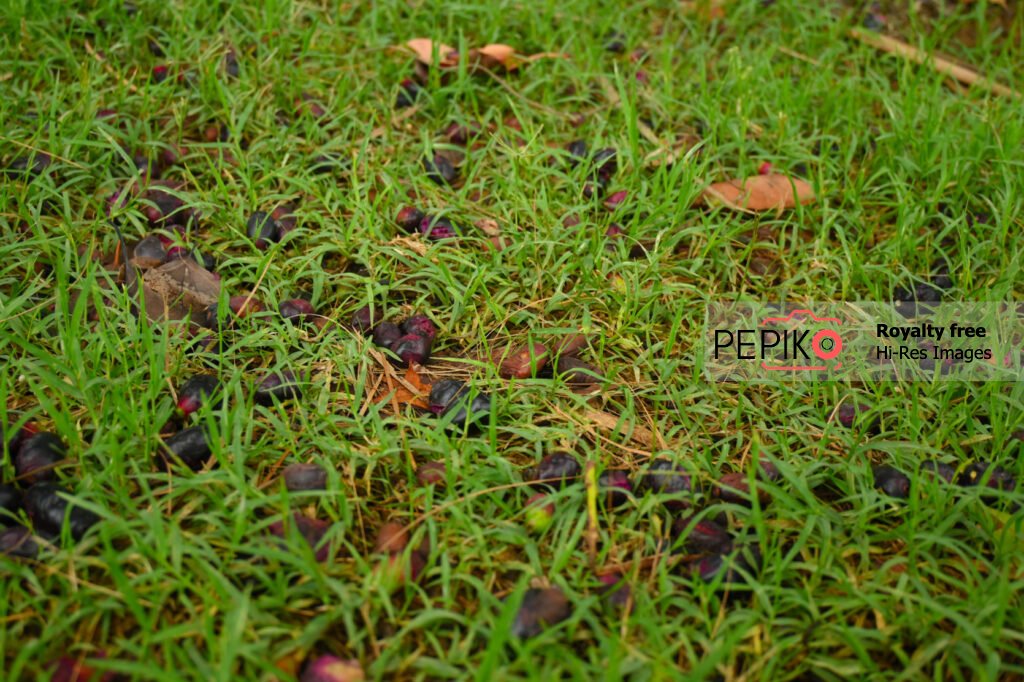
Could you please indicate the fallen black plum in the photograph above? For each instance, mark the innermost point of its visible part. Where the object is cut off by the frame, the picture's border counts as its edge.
(47, 507)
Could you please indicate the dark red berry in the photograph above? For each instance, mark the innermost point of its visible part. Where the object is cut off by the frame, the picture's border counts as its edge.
(300, 477)
(939, 469)
(363, 319)
(245, 305)
(189, 446)
(421, 325)
(296, 309)
(615, 486)
(433, 227)
(10, 503)
(17, 541)
(278, 386)
(735, 488)
(159, 73)
(892, 481)
(555, 470)
(392, 538)
(431, 473)
(386, 334)
(577, 372)
(848, 412)
(38, 458)
(732, 568)
(701, 536)
(262, 229)
(197, 390)
(767, 470)
(540, 608)
(409, 219)
(47, 507)
(615, 199)
(614, 231)
(313, 531)
(667, 478)
(616, 591)
(440, 169)
(460, 134)
(412, 349)
(332, 669)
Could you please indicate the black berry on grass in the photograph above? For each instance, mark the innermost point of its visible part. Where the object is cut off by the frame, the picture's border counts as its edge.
(296, 309)
(194, 392)
(891, 481)
(453, 399)
(300, 477)
(443, 393)
(332, 669)
(605, 164)
(698, 536)
(440, 169)
(412, 349)
(47, 507)
(28, 166)
(189, 446)
(615, 42)
(17, 541)
(262, 229)
(732, 568)
(408, 91)
(10, 503)
(363, 319)
(938, 469)
(577, 151)
(386, 334)
(409, 219)
(231, 63)
(421, 325)
(667, 478)
(541, 608)
(278, 386)
(615, 487)
(159, 73)
(989, 475)
(555, 470)
(38, 458)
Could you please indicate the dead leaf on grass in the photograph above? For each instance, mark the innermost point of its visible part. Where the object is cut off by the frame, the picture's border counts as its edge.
(179, 289)
(412, 391)
(772, 192)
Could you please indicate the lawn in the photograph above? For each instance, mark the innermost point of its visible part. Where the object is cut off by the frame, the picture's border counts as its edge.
(293, 106)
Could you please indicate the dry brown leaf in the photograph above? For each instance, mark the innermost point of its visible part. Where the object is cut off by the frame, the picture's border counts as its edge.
(488, 227)
(760, 193)
(424, 49)
(610, 422)
(179, 288)
(404, 395)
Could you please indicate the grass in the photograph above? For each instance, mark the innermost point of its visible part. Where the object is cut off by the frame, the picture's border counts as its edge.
(180, 580)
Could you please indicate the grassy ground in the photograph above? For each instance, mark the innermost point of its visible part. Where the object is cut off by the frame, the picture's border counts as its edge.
(180, 580)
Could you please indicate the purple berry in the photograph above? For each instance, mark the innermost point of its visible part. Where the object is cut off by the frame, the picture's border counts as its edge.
(605, 163)
(189, 446)
(408, 91)
(296, 309)
(28, 166)
(732, 568)
(451, 398)
(554, 471)
(386, 333)
(300, 477)
(194, 392)
(615, 487)
(10, 503)
(362, 319)
(435, 228)
(616, 591)
(701, 536)
(38, 458)
(939, 469)
(409, 219)
(891, 481)
(262, 229)
(17, 541)
(540, 608)
(983, 473)
(615, 200)
(849, 411)
(412, 349)
(278, 386)
(440, 169)
(420, 325)
(48, 509)
(431, 473)
(312, 531)
(332, 669)
(667, 478)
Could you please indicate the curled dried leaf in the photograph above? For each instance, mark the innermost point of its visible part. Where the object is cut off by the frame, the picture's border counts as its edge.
(424, 49)
(770, 192)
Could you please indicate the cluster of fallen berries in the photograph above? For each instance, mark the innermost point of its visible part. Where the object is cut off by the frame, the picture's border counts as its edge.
(895, 483)
(411, 341)
(37, 458)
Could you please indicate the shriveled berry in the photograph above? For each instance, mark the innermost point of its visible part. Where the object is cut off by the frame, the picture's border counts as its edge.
(983, 473)
(304, 476)
(701, 536)
(939, 469)
(363, 319)
(420, 325)
(440, 169)
(667, 478)
(555, 470)
(412, 349)
(431, 473)
(197, 390)
(434, 227)
(392, 538)
(189, 446)
(47, 509)
(296, 309)
(409, 218)
(332, 669)
(540, 608)
(312, 531)
(615, 487)
(17, 541)
(278, 386)
(386, 333)
(540, 512)
(38, 458)
(10, 503)
(892, 481)
(262, 229)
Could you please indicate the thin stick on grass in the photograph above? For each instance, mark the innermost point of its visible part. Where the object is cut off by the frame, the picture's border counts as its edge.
(943, 66)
